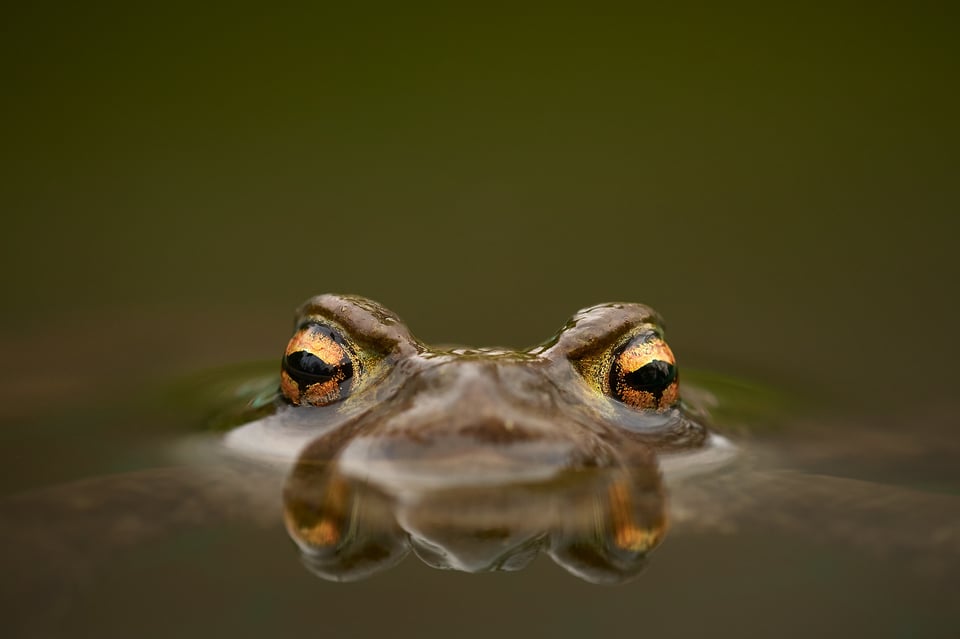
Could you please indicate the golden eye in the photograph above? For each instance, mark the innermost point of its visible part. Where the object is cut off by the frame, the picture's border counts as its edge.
(317, 366)
(644, 373)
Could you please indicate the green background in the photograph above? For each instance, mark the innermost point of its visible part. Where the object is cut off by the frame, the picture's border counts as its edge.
(779, 182)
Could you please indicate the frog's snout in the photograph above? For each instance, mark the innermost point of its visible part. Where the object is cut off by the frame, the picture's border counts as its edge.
(479, 423)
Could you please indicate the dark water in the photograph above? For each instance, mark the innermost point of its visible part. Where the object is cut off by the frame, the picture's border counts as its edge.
(780, 185)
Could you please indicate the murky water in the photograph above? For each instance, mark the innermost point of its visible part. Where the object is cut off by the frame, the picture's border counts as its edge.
(781, 188)
(827, 525)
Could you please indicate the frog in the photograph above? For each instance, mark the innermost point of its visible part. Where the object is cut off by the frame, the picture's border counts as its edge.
(421, 434)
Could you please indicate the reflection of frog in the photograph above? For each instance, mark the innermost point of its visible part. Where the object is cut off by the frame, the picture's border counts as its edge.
(462, 442)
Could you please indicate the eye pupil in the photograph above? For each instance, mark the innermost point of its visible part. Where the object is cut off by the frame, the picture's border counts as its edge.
(307, 367)
(652, 378)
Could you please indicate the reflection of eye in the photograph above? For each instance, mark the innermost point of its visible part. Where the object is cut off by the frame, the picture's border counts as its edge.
(644, 373)
(317, 366)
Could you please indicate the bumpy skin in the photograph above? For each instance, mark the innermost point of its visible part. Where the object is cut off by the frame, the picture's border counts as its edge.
(421, 433)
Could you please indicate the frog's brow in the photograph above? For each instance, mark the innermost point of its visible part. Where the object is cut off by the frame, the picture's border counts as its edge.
(363, 320)
(599, 327)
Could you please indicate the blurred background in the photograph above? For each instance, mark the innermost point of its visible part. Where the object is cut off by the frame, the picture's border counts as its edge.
(779, 182)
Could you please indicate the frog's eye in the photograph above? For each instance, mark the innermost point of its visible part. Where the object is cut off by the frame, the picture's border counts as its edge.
(643, 373)
(317, 366)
